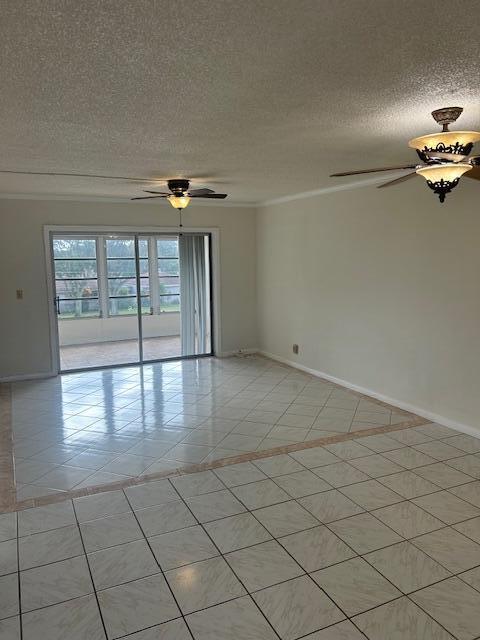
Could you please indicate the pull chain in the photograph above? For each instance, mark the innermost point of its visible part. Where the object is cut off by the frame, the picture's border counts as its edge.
(180, 212)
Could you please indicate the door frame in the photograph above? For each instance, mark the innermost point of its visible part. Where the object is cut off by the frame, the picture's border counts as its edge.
(50, 230)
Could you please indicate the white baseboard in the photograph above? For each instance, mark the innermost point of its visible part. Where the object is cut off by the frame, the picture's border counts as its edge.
(28, 376)
(419, 411)
(237, 352)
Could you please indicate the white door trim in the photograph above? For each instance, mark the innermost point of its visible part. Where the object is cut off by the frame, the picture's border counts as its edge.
(49, 230)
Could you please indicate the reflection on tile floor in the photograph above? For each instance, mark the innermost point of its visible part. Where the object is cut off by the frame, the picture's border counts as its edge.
(90, 428)
(273, 549)
(105, 354)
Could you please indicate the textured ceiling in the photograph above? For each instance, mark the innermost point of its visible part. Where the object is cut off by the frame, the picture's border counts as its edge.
(260, 98)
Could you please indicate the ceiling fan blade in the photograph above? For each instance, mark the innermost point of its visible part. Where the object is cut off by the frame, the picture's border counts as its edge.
(397, 180)
(353, 173)
(74, 175)
(473, 173)
(453, 157)
(158, 193)
(219, 196)
(147, 197)
(200, 192)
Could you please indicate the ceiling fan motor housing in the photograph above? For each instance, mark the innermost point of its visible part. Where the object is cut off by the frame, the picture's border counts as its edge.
(178, 187)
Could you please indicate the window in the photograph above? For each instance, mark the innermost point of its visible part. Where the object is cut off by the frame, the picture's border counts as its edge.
(168, 274)
(121, 276)
(96, 276)
(76, 277)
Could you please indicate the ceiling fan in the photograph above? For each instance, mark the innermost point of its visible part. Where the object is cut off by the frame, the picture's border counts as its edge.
(180, 194)
(444, 156)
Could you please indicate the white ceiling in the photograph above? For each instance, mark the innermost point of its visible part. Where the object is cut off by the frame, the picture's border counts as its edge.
(260, 98)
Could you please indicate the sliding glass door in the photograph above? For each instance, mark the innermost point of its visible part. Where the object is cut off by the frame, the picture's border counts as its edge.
(131, 298)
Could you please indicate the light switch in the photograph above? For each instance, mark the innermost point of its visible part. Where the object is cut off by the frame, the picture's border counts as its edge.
(19, 294)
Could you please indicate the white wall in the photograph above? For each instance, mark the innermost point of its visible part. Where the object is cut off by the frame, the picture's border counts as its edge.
(24, 324)
(74, 331)
(380, 288)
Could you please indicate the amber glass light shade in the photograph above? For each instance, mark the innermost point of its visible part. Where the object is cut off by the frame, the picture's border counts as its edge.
(446, 172)
(459, 142)
(179, 202)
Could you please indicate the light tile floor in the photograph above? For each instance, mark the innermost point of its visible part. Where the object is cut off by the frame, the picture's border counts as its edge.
(96, 427)
(272, 549)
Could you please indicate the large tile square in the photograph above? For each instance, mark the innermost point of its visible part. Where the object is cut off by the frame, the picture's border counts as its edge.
(204, 584)
(470, 528)
(450, 548)
(260, 494)
(407, 567)
(151, 494)
(182, 547)
(443, 475)
(172, 630)
(285, 518)
(371, 494)
(101, 505)
(136, 605)
(212, 506)
(234, 475)
(8, 526)
(408, 484)
(8, 557)
(10, 628)
(107, 532)
(454, 604)
(469, 464)
(408, 457)
(355, 586)
(340, 474)
(45, 518)
(77, 619)
(400, 620)
(469, 492)
(49, 546)
(263, 565)
(364, 533)
(376, 465)
(278, 465)
(236, 532)
(9, 604)
(447, 507)
(316, 548)
(164, 518)
(297, 607)
(195, 484)
(233, 620)
(407, 519)
(340, 631)
(123, 563)
(330, 505)
(55, 583)
(348, 450)
(302, 483)
(314, 457)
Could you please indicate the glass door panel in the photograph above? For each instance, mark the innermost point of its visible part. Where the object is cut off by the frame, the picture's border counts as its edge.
(161, 330)
(180, 322)
(96, 300)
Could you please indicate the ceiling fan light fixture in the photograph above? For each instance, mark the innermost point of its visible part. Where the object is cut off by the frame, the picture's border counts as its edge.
(456, 142)
(179, 202)
(442, 178)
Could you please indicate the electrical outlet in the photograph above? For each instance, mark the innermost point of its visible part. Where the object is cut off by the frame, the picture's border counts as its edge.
(295, 348)
(19, 294)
